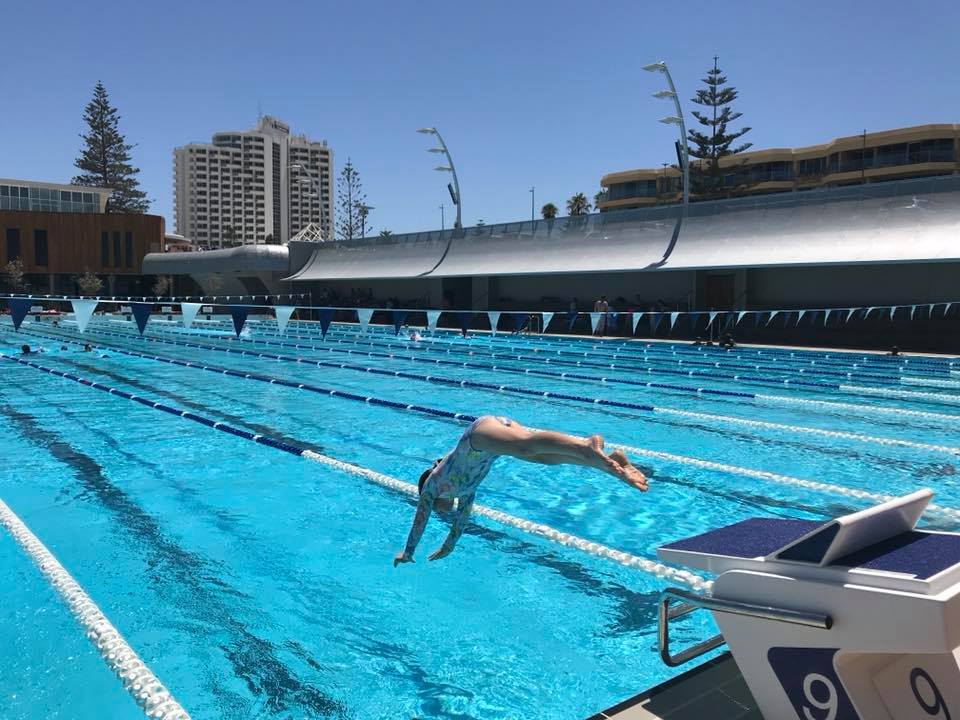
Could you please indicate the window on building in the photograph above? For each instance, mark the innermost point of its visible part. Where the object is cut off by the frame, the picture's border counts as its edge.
(128, 248)
(117, 260)
(105, 249)
(13, 243)
(40, 253)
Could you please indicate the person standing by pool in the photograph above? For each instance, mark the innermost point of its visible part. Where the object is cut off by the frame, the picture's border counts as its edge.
(458, 475)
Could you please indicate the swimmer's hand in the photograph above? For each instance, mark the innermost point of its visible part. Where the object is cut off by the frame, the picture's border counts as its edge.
(441, 552)
(402, 557)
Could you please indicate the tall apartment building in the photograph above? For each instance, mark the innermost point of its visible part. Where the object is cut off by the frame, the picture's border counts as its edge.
(263, 185)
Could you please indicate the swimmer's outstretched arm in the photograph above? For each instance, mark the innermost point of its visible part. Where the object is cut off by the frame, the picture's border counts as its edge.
(424, 510)
(553, 448)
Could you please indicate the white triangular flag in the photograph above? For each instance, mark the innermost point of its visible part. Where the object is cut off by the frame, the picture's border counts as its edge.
(547, 317)
(673, 319)
(947, 308)
(594, 319)
(800, 316)
(636, 320)
(189, 312)
(363, 315)
(869, 310)
(494, 317)
(283, 313)
(913, 310)
(713, 316)
(773, 314)
(893, 309)
(826, 316)
(850, 312)
(432, 317)
(83, 311)
(740, 316)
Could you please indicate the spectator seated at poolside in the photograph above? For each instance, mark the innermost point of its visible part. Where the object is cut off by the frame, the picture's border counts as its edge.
(726, 341)
(457, 475)
(894, 350)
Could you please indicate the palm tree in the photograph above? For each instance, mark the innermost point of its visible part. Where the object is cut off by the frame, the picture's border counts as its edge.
(386, 233)
(549, 211)
(578, 205)
(599, 197)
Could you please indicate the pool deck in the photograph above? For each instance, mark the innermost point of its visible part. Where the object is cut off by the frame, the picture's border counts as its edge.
(713, 690)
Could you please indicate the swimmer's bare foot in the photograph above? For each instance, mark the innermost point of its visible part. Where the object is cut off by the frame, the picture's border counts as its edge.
(596, 442)
(628, 473)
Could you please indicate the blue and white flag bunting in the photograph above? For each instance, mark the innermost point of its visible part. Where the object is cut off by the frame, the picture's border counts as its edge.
(673, 319)
(82, 312)
(800, 316)
(594, 319)
(740, 316)
(188, 312)
(141, 313)
(850, 312)
(547, 317)
(713, 316)
(519, 320)
(494, 317)
(326, 316)
(239, 315)
(465, 318)
(636, 320)
(364, 315)
(19, 307)
(283, 313)
(432, 317)
(773, 314)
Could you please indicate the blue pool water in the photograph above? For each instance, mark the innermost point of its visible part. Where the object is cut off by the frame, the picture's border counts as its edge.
(258, 584)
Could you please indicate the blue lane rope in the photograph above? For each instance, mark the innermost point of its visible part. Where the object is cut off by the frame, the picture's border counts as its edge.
(459, 383)
(651, 567)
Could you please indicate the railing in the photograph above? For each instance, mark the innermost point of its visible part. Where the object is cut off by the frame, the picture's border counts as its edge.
(692, 601)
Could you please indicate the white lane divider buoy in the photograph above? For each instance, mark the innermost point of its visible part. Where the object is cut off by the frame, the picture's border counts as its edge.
(138, 680)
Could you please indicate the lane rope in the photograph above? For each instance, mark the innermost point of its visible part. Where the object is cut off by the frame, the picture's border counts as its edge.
(651, 567)
(138, 680)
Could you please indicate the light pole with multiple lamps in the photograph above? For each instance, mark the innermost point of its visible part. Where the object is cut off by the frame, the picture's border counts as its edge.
(677, 119)
(449, 167)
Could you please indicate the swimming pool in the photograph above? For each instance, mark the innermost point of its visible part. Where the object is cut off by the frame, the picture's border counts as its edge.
(256, 583)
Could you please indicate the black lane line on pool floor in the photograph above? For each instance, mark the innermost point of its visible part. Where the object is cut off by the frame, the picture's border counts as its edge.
(252, 657)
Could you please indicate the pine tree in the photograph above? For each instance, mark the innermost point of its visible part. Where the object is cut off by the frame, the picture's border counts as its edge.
(105, 159)
(717, 141)
(350, 199)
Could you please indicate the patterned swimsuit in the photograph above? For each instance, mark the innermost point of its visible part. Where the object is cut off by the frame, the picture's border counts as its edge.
(457, 476)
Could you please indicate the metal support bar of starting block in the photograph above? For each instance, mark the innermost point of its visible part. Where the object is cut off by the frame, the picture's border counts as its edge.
(692, 601)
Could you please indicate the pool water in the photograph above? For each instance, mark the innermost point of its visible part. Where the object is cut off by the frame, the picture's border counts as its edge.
(257, 584)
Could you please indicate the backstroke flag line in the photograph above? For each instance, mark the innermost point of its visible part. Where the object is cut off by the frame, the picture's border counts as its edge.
(82, 312)
(189, 312)
(141, 313)
(19, 307)
(594, 319)
(494, 317)
(326, 317)
(363, 315)
(239, 315)
(432, 317)
(283, 313)
(547, 317)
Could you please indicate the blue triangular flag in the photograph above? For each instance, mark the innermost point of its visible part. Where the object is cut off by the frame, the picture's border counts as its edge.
(399, 316)
(519, 320)
(326, 315)
(694, 318)
(465, 318)
(19, 307)
(654, 322)
(141, 313)
(239, 315)
(571, 319)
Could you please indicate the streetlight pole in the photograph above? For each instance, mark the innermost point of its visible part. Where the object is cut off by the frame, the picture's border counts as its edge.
(533, 194)
(677, 119)
(449, 167)
(443, 224)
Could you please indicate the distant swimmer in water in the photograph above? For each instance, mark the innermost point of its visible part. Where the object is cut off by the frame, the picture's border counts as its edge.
(457, 476)
(415, 336)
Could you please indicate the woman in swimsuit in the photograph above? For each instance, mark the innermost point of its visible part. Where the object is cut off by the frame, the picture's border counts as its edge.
(456, 476)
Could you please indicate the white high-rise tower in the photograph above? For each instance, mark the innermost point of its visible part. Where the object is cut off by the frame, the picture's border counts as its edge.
(259, 186)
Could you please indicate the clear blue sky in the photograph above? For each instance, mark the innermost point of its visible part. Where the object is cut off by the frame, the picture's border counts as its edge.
(526, 93)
